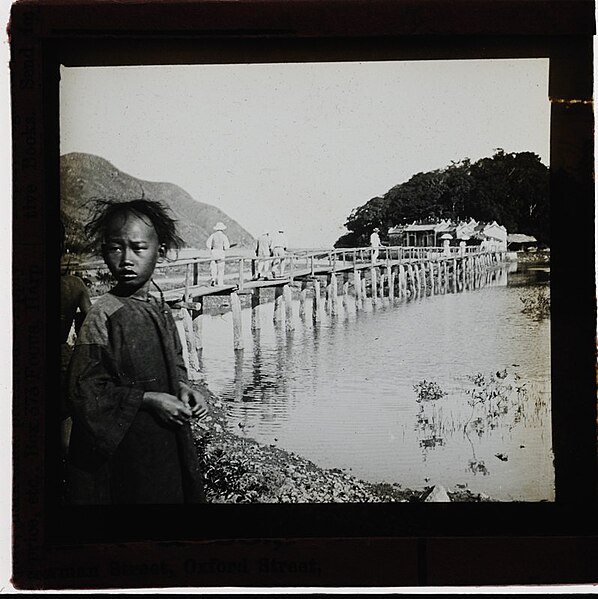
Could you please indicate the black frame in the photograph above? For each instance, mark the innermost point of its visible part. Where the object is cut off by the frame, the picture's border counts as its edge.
(301, 545)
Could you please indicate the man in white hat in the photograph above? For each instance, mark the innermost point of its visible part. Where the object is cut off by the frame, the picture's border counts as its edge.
(263, 253)
(375, 243)
(279, 247)
(217, 243)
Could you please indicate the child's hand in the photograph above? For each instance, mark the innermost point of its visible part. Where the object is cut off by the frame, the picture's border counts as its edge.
(169, 410)
(194, 400)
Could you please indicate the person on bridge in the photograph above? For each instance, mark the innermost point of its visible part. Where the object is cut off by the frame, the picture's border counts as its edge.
(129, 394)
(279, 248)
(217, 243)
(375, 243)
(263, 251)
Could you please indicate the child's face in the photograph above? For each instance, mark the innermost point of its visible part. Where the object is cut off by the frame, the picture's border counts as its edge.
(131, 251)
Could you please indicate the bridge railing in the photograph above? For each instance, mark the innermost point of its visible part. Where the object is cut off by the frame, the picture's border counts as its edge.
(188, 273)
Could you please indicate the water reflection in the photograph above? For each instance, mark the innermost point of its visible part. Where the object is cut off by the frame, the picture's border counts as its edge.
(498, 401)
(339, 390)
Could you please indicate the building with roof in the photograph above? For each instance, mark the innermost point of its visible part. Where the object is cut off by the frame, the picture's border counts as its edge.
(430, 234)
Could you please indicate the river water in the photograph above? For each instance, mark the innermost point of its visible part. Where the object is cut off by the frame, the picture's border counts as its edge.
(389, 392)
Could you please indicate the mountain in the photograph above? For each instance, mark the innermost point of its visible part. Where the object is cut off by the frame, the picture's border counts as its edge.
(84, 177)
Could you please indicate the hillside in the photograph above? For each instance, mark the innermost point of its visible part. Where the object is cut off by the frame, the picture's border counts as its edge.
(84, 177)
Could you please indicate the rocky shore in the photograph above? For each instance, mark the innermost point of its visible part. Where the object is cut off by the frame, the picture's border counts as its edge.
(237, 469)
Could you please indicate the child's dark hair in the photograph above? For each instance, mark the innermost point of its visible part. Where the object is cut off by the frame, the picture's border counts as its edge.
(147, 210)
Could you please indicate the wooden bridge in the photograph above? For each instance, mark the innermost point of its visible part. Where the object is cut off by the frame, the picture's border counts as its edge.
(397, 273)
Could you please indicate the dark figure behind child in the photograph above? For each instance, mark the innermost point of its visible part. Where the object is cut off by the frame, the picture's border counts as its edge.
(74, 306)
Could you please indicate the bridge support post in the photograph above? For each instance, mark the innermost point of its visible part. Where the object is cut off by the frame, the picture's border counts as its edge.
(364, 289)
(235, 306)
(189, 344)
(255, 309)
(418, 281)
(454, 275)
(357, 287)
(302, 299)
(374, 281)
(345, 290)
(441, 271)
(333, 297)
(431, 271)
(317, 306)
(391, 283)
(197, 323)
(180, 328)
(239, 383)
(402, 282)
(288, 307)
(278, 304)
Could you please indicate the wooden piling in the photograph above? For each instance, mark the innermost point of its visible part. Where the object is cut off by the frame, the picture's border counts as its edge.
(255, 309)
(193, 367)
(278, 304)
(456, 275)
(374, 285)
(187, 282)
(346, 290)
(180, 327)
(302, 299)
(288, 307)
(197, 325)
(317, 307)
(391, 284)
(357, 286)
(402, 282)
(333, 294)
(235, 306)
(239, 385)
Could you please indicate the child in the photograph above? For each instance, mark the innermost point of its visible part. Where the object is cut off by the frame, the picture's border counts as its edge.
(130, 399)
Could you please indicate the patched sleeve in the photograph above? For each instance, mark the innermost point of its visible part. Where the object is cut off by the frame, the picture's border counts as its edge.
(102, 404)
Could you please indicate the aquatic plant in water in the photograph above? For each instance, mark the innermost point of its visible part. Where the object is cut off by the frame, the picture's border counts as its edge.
(428, 391)
(536, 303)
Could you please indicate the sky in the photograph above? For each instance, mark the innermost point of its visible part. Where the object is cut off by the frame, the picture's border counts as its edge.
(298, 146)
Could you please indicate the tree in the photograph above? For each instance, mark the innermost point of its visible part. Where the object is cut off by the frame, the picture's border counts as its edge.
(509, 188)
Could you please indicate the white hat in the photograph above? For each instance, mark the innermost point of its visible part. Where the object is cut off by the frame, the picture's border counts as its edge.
(219, 226)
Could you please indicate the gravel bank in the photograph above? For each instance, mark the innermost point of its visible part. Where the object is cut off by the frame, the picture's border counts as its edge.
(237, 469)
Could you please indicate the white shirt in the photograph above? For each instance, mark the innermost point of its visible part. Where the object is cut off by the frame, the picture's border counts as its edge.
(218, 241)
(375, 240)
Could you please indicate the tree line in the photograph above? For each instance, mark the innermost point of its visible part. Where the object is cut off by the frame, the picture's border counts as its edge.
(509, 188)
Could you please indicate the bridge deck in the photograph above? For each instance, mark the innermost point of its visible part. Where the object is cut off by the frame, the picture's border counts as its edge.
(199, 291)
